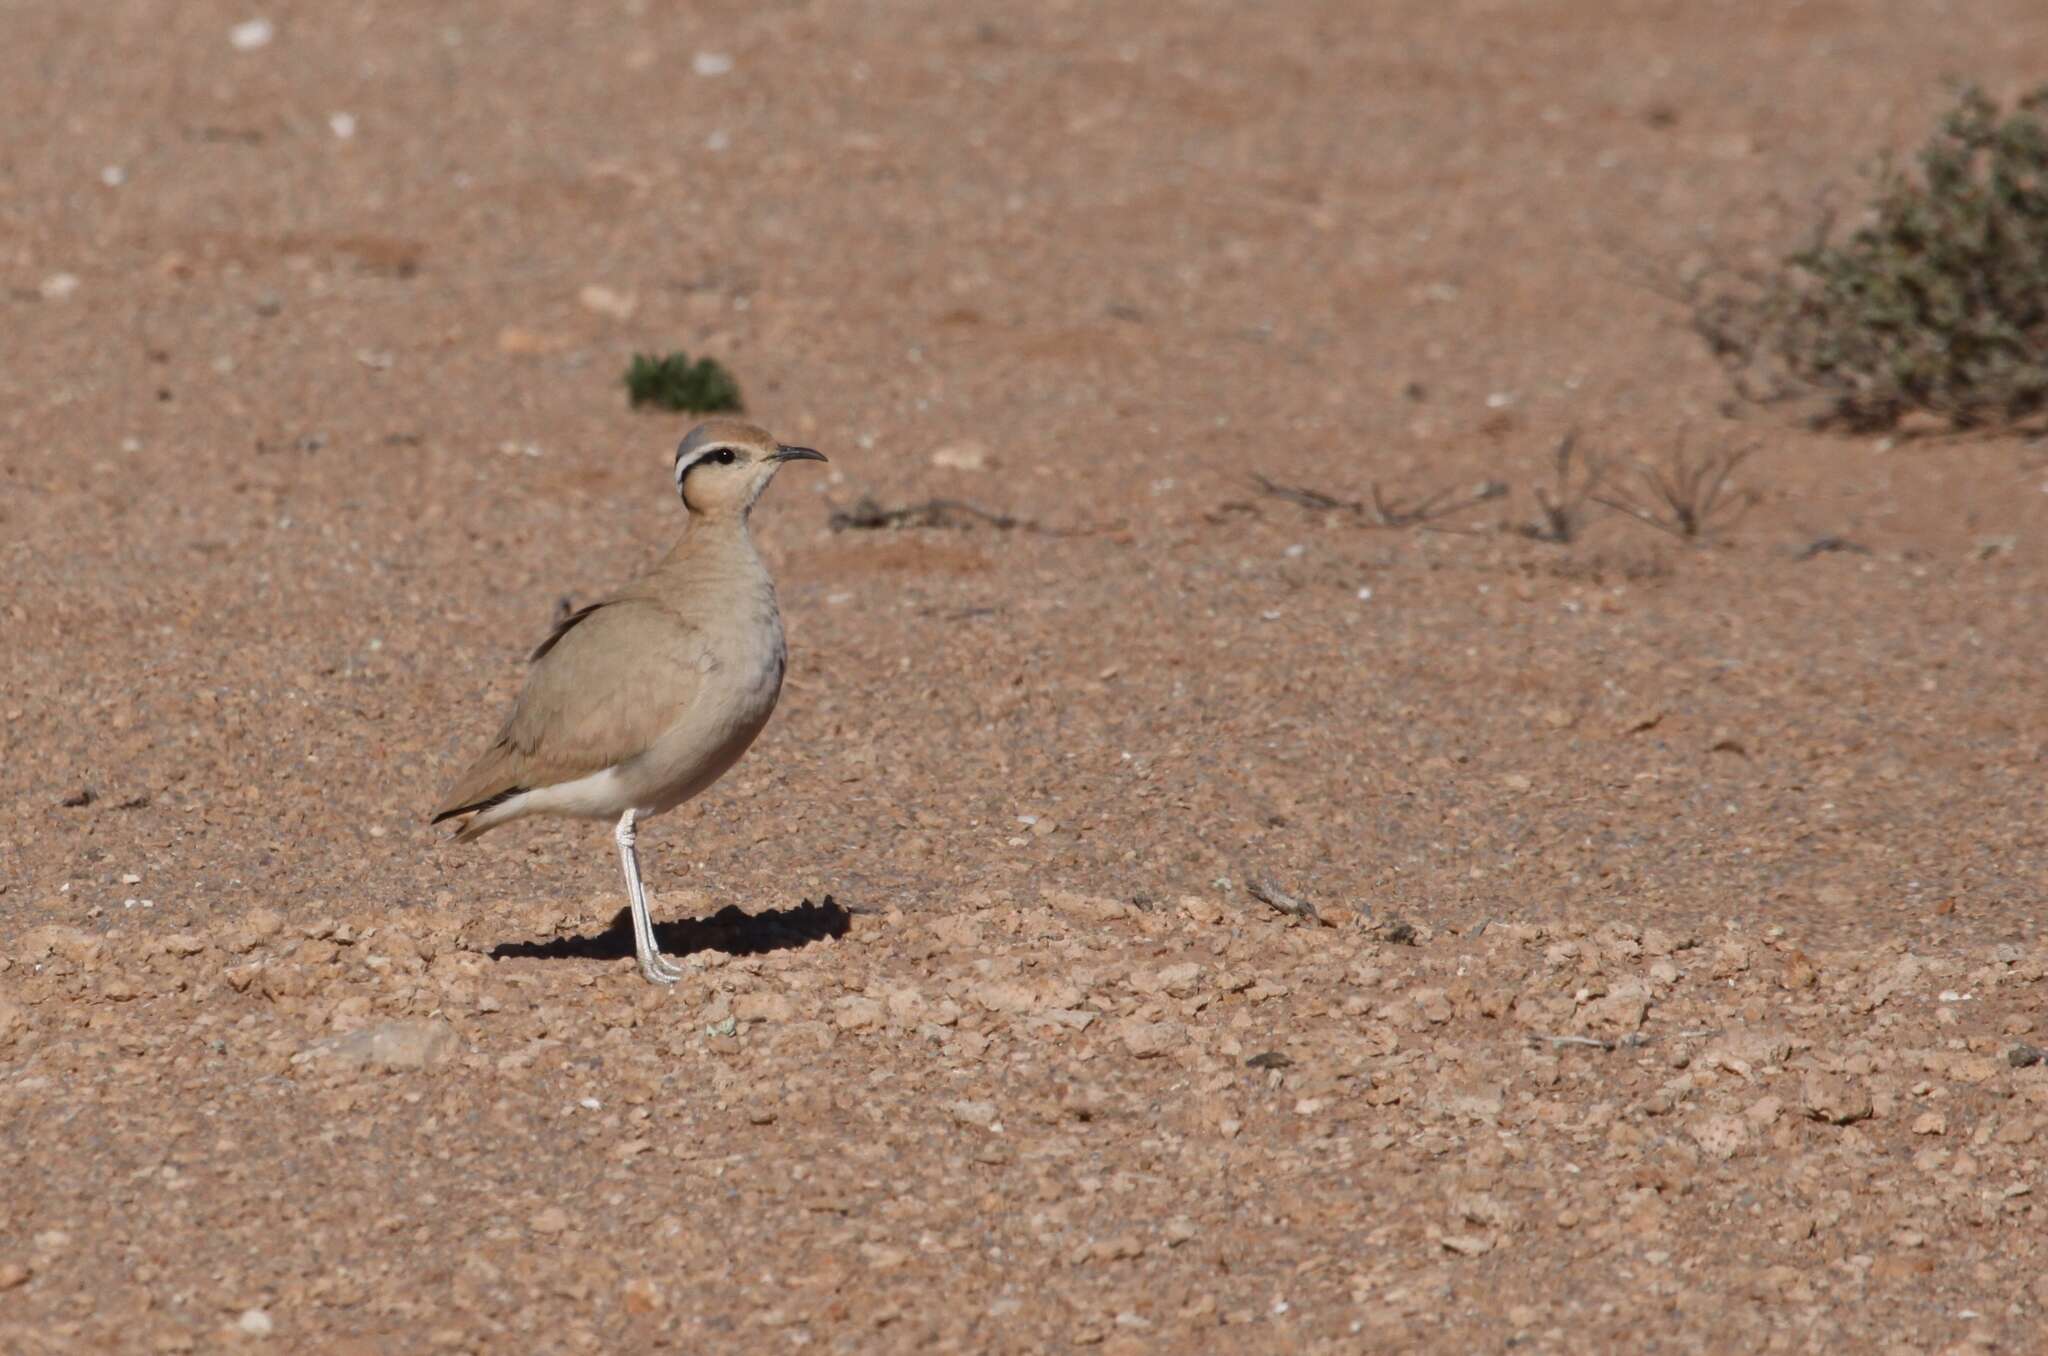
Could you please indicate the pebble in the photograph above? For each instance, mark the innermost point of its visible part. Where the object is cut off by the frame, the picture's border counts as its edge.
(406, 1044)
(1148, 1040)
(969, 1112)
(255, 1323)
(1835, 1100)
(965, 455)
(763, 1006)
(607, 302)
(552, 1219)
(251, 34)
(856, 1013)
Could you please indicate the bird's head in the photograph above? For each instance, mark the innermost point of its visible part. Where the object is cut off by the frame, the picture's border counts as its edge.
(724, 464)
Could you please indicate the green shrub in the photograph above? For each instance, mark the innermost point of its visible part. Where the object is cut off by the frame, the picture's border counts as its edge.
(674, 382)
(1938, 303)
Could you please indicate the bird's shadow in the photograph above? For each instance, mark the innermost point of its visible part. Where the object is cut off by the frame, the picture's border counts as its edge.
(729, 930)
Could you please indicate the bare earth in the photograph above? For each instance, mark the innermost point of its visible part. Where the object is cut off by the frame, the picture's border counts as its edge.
(1680, 949)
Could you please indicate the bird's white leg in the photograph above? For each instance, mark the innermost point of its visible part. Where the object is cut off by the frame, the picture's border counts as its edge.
(653, 964)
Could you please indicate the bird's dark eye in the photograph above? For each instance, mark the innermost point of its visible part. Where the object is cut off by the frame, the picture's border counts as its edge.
(723, 456)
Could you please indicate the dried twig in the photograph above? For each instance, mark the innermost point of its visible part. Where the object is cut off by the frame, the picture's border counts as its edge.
(1266, 892)
(1564, 515)
(1633, 1040)
(866, 513)
(1823, 545)
(1690, 496)
(1382, 512)
(1537, 1038)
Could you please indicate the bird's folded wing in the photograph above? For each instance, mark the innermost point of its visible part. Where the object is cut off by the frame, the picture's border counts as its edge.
(605, 686)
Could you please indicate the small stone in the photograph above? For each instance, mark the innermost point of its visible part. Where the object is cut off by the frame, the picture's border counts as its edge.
(58, 286)
(255, 1323)
(551, 1220)
(251, 34)
(13, 1274)
(2024, 1056)
(1149, 1040)
(408, 1044)
(1837, 1101)
(762, 1007)
(1091, 908)
(909, 1005)
(966, 455)
(711, 63)
(882, 1257)
(1930, 1123)
(968, 1112)
(1466, 1245)
(1176, 981)
(606, 302)
(1799, 972)
(1723, 1136)
(1432, 1003)
(1200, 910)
(857, 1013)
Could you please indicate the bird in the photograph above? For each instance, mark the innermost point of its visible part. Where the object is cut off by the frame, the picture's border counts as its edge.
(635, 704)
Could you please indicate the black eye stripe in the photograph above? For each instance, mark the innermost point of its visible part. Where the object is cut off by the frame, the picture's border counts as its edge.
(717, 456)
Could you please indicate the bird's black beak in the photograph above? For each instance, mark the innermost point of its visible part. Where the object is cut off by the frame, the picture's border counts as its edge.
(798, 454)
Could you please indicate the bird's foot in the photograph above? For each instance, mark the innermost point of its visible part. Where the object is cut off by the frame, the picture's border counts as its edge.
(659, 969)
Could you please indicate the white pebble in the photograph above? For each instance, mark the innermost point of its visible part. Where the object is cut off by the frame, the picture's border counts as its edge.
(58, 286)
(718, 141)
(1365, 594)
(255, 1323)
(247, 37)
(711, 63)
(343, 125)
(113, 176)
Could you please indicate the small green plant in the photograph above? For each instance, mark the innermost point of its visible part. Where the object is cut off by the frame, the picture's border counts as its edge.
(674, 382)
(1937, 303)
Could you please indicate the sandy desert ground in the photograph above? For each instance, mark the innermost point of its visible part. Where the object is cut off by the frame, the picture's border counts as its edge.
(1677, 979)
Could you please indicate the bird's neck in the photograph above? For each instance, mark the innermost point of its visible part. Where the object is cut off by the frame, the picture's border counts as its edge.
(712, 543)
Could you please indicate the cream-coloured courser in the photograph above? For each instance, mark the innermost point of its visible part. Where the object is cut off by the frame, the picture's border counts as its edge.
(635, 704)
